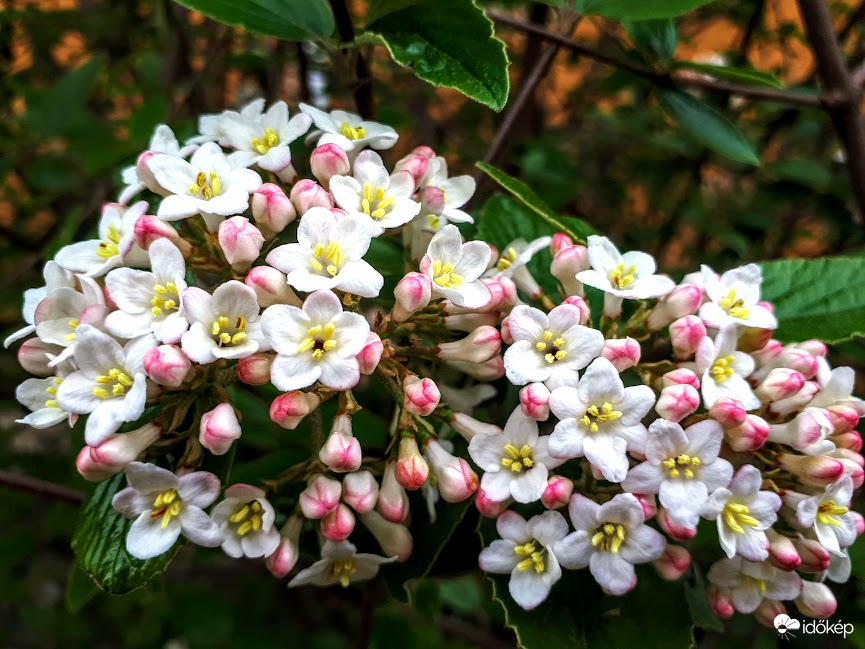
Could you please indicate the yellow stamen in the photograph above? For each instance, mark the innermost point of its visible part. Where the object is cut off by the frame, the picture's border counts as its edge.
(736, 515)
(342, 569)
(609, 537)
(352, 132)
(595, 415)
(722, 369)
(266, 142)
(444, 275)
(735, 307)
(828, 510)
(166, 506)
(620, 278)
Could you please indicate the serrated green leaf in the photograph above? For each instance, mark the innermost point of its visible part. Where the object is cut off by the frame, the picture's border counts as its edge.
(745, 75)
(290, 20)
(656, 36)
(638, 9)
(708, 127)
(100, 544)
(449, 43)
(816, 298)
(80, 589)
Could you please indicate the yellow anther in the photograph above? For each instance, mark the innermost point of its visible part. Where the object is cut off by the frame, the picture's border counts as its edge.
(224, 338)
(516, 459)
(734, 306)
(266, 142)
(548, 335)
(208, 186)
(508, 257)
(109, 248)
(754, 581)
(541, 346)
(102, 393)
(352, 132)
(722, 369)
(689, 473)
(159, 288)
(316, 265)
(736, 515)
(609, 537)
(314, 331)
(828, 510)
(73, 323)
(52, 403)
(433, 221)
(444, 275)
(156, 311)
(238, 338)
(51, 390)
(214, 329)
(674, 473)
(166, 506)
(620, 278)
(594, 415)
(669, 463)
(332, 270)
(306, 344)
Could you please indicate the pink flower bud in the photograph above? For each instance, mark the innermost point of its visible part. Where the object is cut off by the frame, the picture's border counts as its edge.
(814, 347)
(392, 501)
(272, 209)
(149, 228)
(683, 300)
(672, 529)
(219, 428)
(767, 611)
(320, 497)
(456, 480)
(489, 507)
(800, 360)
(779, 384)
(289, 409)
(535, 401)
(469, 321)
(852, 467)
(582, 305)
(560, 242)
(360, 491)
(421, 396)
(415, 164)
(341, 452)
(146, 176)
(686, 334)
(721, 601)
(814, 557)
(851, 440)
(33, 356)
(285, 557)
(809, 426)
(327, 161)
(424, 151)
(801, 398)
(240, 241)
(510, 298)
(491, 370)
(370, 355)
(338, 524)
(255, 369)
(816, 600)
(412, 470)
(497, 289)
(566, 264)
(673, 563)
(728, 412)
(647, 502)
(771, 350)
(468, 426)
(843, 418)
(677, 402)
(623, 353)
(308, 193)
(479, 346)
(271, 287)
(120, 449)
(859, 520)
(394, 539)
(557, 492)
(752, 339)
(749, 435)
(680, 376)
(411, 293)
(505, 329)
(782, 552)
(91, 470)
(432, 200)
(167, 365)
(816, 470)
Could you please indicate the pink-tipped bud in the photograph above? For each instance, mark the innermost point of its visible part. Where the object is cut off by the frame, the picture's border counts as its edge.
(782, 552)
(308, 193)
(672, 528)
(369, 357)
(560, 242)
(488, 371)
(816, 600)
(489, 507)
(535, 401)
(424, 151)
(852, 441)
(557, 492)
(799, 360)
(219, 428)
(432, 200)
(566, 264)
(479, 346)
(240, 241)
(412, 470)
(649, 505)
(814, 347)
(677, 402)
(673, 563)
(146, 176)
(455, 479)
(285, 557)
(271, 287)
(721, 601)
(91, 470)
(680, 376)
(341, 452)
(769, 351)
(167, 365)
(683, 300)
(843, 418)
(327, 161)
(149, 228)
(468, 426)
(420, 396)
(360, 491)
(809, 427)
(623, 353)
(272, 209)
(749, 435)
(33, 356)
(852, 467)
(686, 334)
(802, 398)
(289, 409)
(120, 449)
(468, 322)
(859, 521)
(395, 539)
(392, 501)
(812, 469)
(728, 412)
(767, 611)
(415, 164)
(338, 524)
(320, 497)
(582, 305)
(497, 291)
(505, 329)
(411, 293)
(752, 339)
(255, 369)
(779, 384)
(814, 557)
(510, 296)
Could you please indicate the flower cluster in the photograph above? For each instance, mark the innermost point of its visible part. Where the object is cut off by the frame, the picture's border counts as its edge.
(672, 406)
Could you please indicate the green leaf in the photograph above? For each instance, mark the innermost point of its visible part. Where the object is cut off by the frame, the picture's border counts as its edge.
(576, 228)
(698, 603)
(638, 9)
(816, 298)
(290, 20)
(656, 36)
(100, 544)
(745, 75)
(449, 43)
(708, 127)
(80, 589)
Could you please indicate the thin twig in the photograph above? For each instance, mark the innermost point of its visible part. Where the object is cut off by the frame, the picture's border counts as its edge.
(41, 488)
(363, 83)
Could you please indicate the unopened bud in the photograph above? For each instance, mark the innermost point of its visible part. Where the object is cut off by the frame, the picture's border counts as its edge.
(338, 524)
(488, 507)
(672, 529)
(686, 334)
(327, 161)
(683, 300)
(782, 552)
(488, 371)
(816, 600)
(308, 193)
(241, 242)
(721, 601)
(468, 426)
(255, 369)
(395, 539)
(392, 501)
(851, 440)
(420, 396)
(680, 376)
(816, 470)
(753, 339)
(91, 470)
(432, 200)
(455, 478)
(557, 492)
(767, 611)
(415, 164)
(271, 287)
(360, 491)
(560, 242)
(814, 557)
(412, 470)
(33, 356)
(320, 497)
(289, 409)
(167, 365)
(801, 398)
(813, 347)
(341, 452)
(535, 401)
(749, 435)
(677, 402)
(809, 427)
(779, 384)
(479, 346)
(219, 428)
(673, 563)
(411, 293)
(272, 209)
(566, 264)
(285, 557)
(769, 351)
(149, 228)
(649, 505)
(843, 418)
(119, 449)
(728, 412)
(582, 305)
(623, 353)
(369, 357)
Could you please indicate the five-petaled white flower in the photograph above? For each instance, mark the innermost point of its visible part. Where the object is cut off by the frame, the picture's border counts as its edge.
(245, 520)
(340, 563)
(372, 193)
(609, 539)
(733, 299)
(55, 277)
(515, 461)
(723, 370)
(682, 467)
(60, 314)
(837, 390)
(262, 138)
(750, 583)
(149, 301)
(164, 506)
(549, 347)
(829, 515)
(40, 397)
(455, 268)
(526, 550)
(744, 513)
(456, 192)
(348, 131)
(317, 342)
(163, 140)
(328, 254)
(600, 419)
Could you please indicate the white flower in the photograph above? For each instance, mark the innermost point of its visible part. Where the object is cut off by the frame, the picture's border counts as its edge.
(340, 564)
(55, 277)
(600, 419)
(206, 185)
(526, 551)
(58, 316)
(683, 467)
(744, 513)
(837, 390)
(829, 516)
(163, 140)
(750, 583)
(164, 506)
(245, 520)
(318, 342)
(549, 348)
(348, 131)
(515, 462)
(630, 276)
(384, 199)
(222, 325)
(328, 254)
(456, 192)
(455, 268)
(516, 255)
(115, 246)
(149, 301)
(733, 299)
(210, 126)
(609, 539)
(262, 138)
(40, 397)
(110, 383)
(723, 370)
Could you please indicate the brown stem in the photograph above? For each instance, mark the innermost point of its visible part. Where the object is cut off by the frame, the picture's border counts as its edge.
(41, 488)
(363, 83)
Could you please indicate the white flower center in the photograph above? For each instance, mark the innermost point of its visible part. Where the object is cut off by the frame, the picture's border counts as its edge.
(734, 306)
(550, 346)
(226, 333)
(534, 558)
(166, 505)
(736, 515)
(248, 518)
(517, 458)
(327, 259)
(722, 369)
(112, 384)
(207, 186)
(683, 465)
(342, 569)
(609, 537)
(759, 584)
(319, 339)
(508, 257)
(266, 142)
(374, 201)
(828, 510)
(164, 298)
(352, 132)
(595, 415)
(109, 247)
(51, 391)
(444, 275)
(621, 278)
